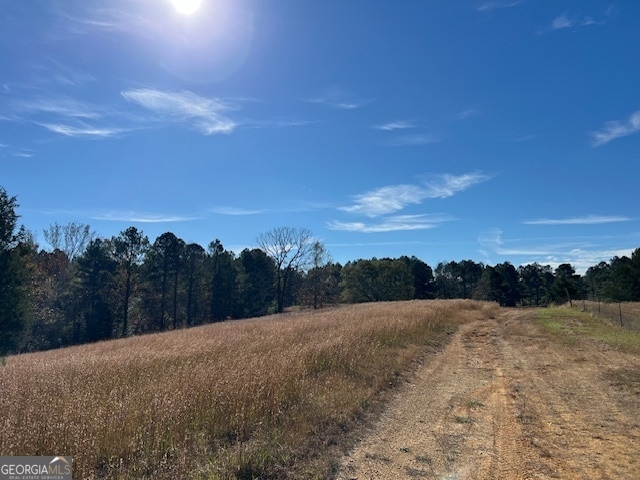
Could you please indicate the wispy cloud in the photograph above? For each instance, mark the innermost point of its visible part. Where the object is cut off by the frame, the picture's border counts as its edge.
(468, 113)
(61, 106)
(69, 117)
(416, 139)
(397, 125)
(391, 224)
(580, 253)
(392, 198)
(137, 217)
(234, 211)
(385, 200)
(447, 185)
(565, 21)
(203, 114)
(277, 123)
(587, 220)
(117, 16)
(82, 131)
(617, 129)
(523, 138)
(340, 99)
(491, 242)
(495, 5)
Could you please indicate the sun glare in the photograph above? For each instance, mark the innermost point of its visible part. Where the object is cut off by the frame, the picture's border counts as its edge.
(186, 7)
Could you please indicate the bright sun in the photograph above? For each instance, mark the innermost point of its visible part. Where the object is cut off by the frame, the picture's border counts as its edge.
(186, 7)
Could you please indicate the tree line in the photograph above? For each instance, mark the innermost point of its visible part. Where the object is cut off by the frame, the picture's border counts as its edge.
(85, 288)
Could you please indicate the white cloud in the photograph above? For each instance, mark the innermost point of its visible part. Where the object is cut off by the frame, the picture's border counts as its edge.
(339, 99)
(281, 123)
(392, 198)
(587, 220)
(82, 131)
(397, 125)
(61, 106)
(234, 211)
(523, 138)
(468, 113)
(581, 259)
(448, 185)
(414, 140)
(204, 114)
(563, 21)
(580, 254)
(137, 217)
(386, 200)
(495, 5)
(391, 224)
(617, 129)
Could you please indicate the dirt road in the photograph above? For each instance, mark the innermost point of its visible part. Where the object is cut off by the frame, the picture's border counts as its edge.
(507, 400)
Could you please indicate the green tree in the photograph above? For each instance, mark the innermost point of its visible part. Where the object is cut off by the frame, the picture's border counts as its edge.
(510, 294)
(13, 281)
(535, 280)
(194, 265)
(256, 280)
(129, 248)
(95, 290)
(565, 284)
(499, 284)
(489, 286)
(599, 281)
(223, 279)
(51, 293)
(423, 280)
(377, 280)
(163, 264)
(623, 283)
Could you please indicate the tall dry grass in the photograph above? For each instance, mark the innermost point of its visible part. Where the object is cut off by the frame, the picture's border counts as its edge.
(259, 398)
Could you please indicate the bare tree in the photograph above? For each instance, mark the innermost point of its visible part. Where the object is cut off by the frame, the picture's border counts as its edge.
(291, 249)
(71, 238)
(317, 279)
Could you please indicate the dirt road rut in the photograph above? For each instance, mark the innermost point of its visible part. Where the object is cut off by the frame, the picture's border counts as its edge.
(505, 400)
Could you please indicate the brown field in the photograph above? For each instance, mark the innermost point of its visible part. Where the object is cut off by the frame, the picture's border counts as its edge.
(264, 398)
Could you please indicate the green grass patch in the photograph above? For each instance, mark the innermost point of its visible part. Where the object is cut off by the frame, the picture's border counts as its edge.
(571, 325)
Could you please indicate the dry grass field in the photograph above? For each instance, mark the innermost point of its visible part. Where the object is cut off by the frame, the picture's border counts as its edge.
(263, 398)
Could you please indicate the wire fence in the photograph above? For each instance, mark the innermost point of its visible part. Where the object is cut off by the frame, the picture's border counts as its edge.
(623, 314)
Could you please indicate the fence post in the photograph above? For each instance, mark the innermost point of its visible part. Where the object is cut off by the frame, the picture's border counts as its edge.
(620, 312)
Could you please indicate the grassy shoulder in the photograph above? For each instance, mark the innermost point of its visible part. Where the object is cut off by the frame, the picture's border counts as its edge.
(571, 325)
(266, 398)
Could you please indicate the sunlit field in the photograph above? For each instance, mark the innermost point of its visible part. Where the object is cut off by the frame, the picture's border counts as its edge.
(259, 398)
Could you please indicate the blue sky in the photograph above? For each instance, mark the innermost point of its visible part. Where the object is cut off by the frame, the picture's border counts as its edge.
(495, 130)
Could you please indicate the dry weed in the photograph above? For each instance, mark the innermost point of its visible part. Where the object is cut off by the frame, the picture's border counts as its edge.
(243, 399)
